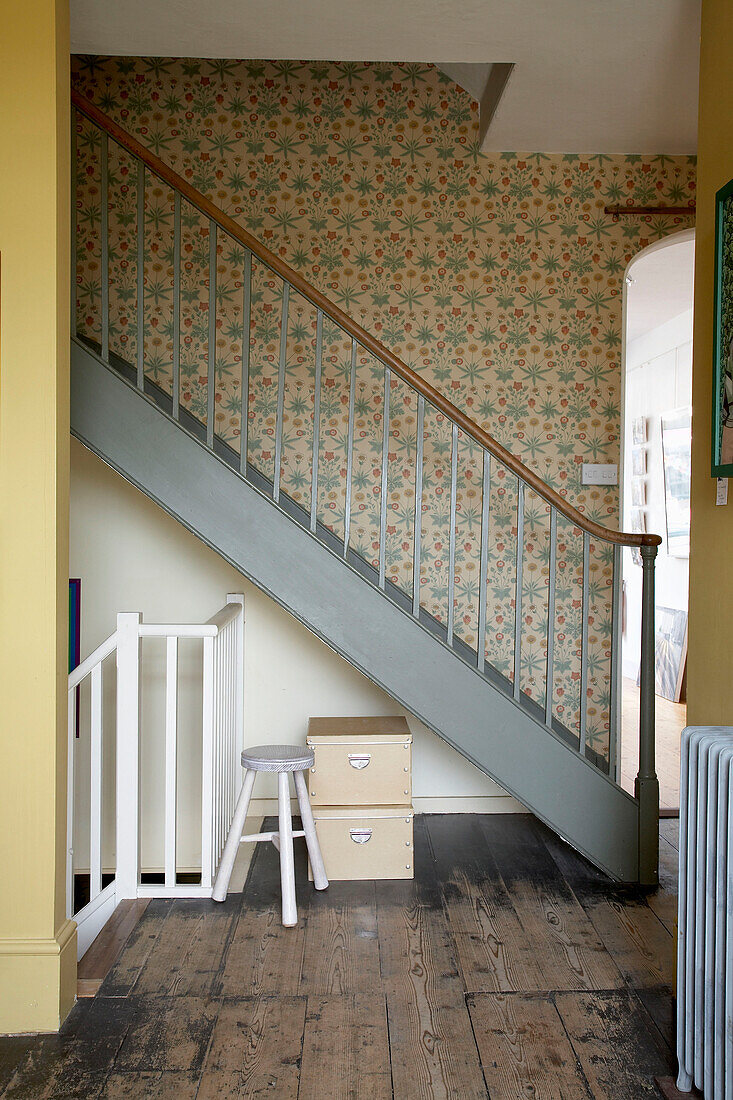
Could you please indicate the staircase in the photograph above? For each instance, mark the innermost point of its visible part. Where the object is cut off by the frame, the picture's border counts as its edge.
(356, 495)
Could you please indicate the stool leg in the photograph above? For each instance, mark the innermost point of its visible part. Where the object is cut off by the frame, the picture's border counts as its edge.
(309, 828)
(226, 863)
(287, 863)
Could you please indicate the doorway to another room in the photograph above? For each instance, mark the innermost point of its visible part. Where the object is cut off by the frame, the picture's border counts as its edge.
(655, 492)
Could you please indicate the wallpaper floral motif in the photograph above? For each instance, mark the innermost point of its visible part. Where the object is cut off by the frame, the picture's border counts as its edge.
(498, 277)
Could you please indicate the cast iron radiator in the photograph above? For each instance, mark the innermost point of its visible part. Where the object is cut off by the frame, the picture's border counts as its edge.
(705, 913)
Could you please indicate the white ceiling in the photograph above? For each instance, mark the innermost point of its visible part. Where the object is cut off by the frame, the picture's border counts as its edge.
(613, 76)
(662, 286)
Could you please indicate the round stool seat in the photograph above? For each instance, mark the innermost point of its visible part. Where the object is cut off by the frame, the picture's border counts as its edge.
(277, 758)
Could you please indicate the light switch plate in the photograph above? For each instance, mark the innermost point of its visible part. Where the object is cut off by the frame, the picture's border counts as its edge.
(600, 473)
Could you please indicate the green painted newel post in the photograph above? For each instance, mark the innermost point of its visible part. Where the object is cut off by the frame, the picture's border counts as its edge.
(647, 784)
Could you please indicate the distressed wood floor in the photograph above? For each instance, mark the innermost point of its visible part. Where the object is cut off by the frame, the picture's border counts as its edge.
(509, 968)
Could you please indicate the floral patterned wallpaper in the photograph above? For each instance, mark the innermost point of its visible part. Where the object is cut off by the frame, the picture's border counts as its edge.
(498, 277)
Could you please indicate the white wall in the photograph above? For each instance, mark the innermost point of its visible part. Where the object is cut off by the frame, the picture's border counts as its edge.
(658, 380)
(132, 556)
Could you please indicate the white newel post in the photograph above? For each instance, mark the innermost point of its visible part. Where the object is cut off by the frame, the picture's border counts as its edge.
(207, 764)
(238, 597)
(128, 753)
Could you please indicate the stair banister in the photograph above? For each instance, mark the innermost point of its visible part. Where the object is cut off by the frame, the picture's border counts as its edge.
(296, 281)
(220, 223)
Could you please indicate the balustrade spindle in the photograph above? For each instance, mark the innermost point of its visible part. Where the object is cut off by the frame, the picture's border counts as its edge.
(104, 233)
(207, 774)
(176, 380)
(316, 421)
(72, 241)
(584, 644)
(141, 276)
(211, 350)
(95, 801)
(171, 756)
(613, 710)
(281, 391)
(484, 563)
(349, 448)
(244, 394)
(217, 743)
(70, 788)
(452, 533)
(228, 748)
(417, 549)
(518, 591)
(550, 671)
(383, 485)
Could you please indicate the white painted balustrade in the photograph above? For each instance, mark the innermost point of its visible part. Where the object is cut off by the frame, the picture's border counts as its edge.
(222, 716)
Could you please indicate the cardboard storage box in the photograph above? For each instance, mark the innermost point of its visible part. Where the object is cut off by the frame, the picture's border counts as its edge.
(371, 842)
(360, 762)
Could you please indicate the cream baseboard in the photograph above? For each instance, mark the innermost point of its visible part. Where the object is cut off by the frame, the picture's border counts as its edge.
(427, 804)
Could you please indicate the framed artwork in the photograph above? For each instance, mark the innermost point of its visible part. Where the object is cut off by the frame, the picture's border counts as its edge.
(638, 526)
(676, 458)
(638, 493)
(638, 430)
(638, 462)
(722, 433)
(638, 521)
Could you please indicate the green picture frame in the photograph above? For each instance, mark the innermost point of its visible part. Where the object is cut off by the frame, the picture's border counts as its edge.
(722, 427)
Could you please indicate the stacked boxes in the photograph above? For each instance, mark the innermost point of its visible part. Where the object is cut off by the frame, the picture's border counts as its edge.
(361, 792)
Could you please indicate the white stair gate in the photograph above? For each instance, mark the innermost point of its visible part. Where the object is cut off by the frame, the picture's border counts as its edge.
(113, 754)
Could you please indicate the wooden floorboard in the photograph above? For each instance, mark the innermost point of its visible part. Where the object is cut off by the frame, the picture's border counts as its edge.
(664, 900)
(432, 1047)
(169, 1033)
(618, 1048)
(341, 953)
(636, 928)
(263, 957)
(508, 968)
(524, 1048)
(100, 957)
(416, 952)
(566, 947)
(126, 970)
(493, 950)
(255, 1049)
(346, 1048)
(151, 1084)
(187, 955)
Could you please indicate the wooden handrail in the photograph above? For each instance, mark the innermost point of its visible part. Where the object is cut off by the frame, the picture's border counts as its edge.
(367, 341)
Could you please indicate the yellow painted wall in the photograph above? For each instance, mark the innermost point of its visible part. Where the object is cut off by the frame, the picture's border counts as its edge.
(710, 660)
(37, 943)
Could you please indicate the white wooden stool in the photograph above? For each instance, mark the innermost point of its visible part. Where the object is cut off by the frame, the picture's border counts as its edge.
(281, 759)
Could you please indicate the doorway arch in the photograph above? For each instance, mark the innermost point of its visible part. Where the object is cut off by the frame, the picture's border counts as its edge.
(656, 398)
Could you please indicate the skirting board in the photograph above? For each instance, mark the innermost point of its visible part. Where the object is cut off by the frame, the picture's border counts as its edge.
(456, 804)
(451, 804)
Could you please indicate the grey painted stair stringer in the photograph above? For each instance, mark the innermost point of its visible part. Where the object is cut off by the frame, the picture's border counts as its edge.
(366, 628)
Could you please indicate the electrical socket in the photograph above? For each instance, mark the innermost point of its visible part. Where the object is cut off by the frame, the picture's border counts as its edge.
(600, 473)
